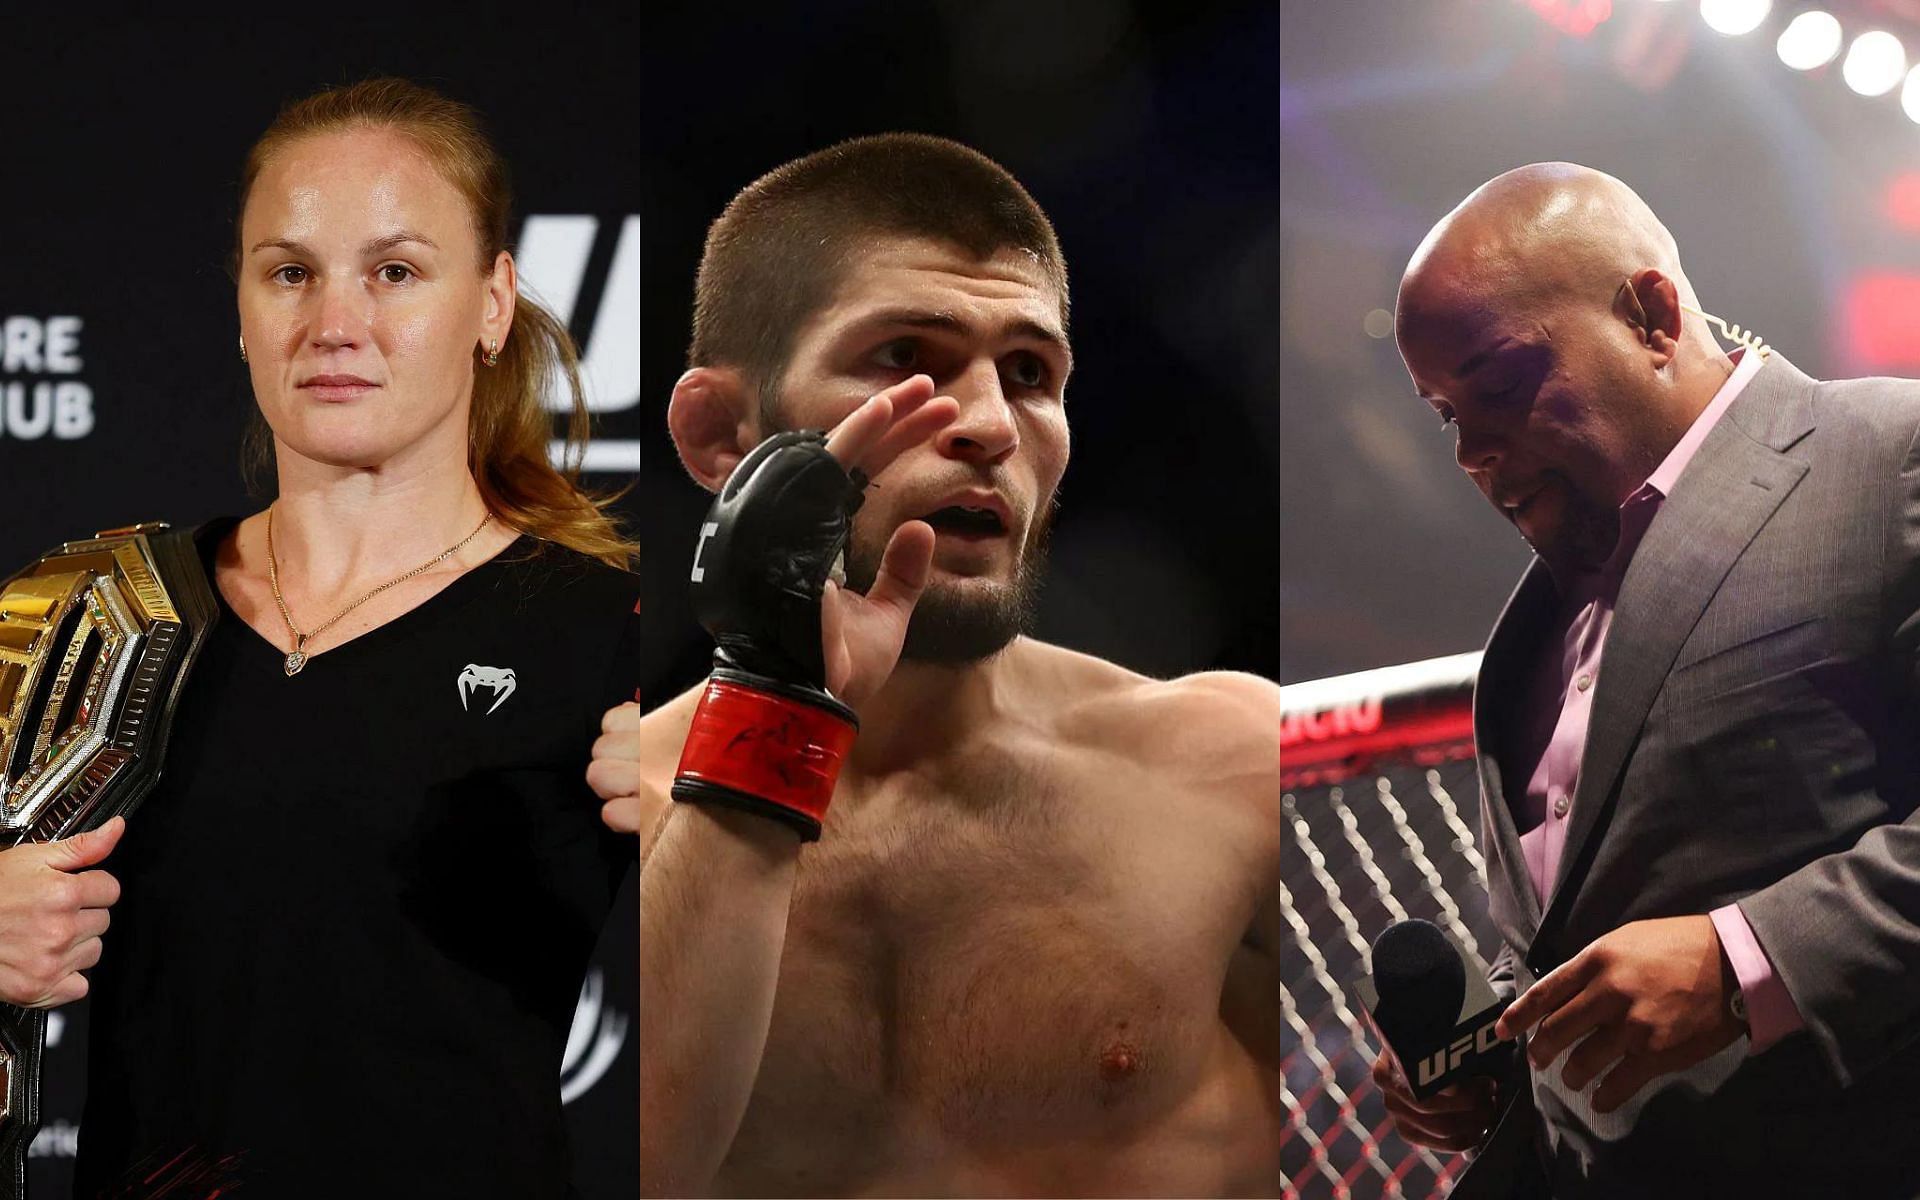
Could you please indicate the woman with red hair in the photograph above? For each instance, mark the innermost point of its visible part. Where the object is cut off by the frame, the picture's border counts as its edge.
(358, 908)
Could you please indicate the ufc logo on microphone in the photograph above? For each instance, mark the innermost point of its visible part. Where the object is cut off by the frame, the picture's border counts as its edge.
(1440, 1062)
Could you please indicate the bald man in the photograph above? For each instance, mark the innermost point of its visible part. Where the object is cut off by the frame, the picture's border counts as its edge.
(1696, 721)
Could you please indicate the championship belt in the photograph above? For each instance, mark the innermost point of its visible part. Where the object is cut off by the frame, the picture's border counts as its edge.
(96, 638)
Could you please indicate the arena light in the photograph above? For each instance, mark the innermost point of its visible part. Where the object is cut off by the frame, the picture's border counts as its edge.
(1734, 17)
(1576, 17)
(1875, 63)
(1810, 40)
(1903, 199)
(1881, 319)
(1910, 95)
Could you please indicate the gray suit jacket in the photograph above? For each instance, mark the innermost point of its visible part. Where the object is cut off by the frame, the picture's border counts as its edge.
(1755, 736)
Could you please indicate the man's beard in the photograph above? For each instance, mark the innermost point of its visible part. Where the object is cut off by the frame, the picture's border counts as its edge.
(1588, 534)
(952, 625)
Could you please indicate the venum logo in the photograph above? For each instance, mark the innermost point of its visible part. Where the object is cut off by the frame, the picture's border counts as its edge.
(593, 1042)
(557, 264)
(38, 396)
(499, 680)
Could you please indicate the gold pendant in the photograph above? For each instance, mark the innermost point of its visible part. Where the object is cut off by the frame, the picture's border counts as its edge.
(295, 660)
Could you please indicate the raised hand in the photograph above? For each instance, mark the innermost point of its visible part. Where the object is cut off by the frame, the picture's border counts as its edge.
(861, 635)
(794, 654)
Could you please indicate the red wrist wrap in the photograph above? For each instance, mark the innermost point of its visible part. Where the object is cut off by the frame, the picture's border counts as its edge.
(781, 750)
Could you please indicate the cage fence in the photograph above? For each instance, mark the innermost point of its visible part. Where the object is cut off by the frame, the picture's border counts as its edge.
(1381, 814)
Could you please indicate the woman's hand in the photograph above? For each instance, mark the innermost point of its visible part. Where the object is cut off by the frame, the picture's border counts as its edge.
(52, 913)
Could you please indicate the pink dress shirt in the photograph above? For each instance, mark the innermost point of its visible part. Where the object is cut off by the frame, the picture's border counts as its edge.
(1562, 695)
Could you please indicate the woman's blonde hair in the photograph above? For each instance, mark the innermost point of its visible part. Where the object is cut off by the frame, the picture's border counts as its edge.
(509, 425)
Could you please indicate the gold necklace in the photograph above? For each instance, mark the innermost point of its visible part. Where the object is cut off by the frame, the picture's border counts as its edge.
(297, 657)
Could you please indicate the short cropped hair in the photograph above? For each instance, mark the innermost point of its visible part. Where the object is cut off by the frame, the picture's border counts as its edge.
(777, 253)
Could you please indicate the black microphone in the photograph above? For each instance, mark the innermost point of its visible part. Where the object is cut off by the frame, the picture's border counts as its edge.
(1430, 1002)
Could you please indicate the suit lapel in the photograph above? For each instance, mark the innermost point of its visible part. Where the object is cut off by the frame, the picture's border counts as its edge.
(1501, 688)
(1734, 484)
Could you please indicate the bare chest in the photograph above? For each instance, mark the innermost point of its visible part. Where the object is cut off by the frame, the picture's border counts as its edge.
(964, 975)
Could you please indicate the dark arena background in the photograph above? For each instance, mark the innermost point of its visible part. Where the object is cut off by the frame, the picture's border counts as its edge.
(1795, 201)
(1778, 141)
(1148, 132)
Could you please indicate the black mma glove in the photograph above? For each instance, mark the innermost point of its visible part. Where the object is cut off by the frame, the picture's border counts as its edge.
(768, 737)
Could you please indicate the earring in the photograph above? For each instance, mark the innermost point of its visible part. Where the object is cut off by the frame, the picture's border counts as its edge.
(493, 353)
(243, 347)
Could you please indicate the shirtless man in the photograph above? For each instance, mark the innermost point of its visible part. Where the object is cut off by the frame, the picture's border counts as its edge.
(1034, 950)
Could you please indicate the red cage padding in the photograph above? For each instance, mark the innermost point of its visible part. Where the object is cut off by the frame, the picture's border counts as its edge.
(1334, 729)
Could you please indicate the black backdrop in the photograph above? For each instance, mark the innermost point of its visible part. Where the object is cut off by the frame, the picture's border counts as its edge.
(121, 146)
(1147, 130)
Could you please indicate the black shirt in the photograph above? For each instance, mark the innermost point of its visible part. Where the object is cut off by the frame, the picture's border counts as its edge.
(358, 907)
